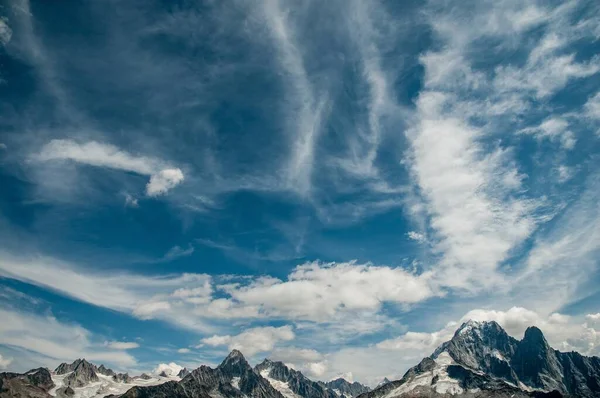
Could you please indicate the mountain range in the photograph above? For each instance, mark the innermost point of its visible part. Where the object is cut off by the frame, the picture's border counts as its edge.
(481, 360)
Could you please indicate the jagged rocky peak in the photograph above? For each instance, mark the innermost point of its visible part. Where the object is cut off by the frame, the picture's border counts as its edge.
(342, 386)
(34, 384)
(235, 364)
(291, 382)
(82, 374)
(122, 378)
(183, 372)
(383, 382)
(105, 371)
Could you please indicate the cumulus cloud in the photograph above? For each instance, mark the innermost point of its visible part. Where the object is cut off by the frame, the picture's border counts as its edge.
(163, 181)
(170, 369)
(316, 291)
(253, 340)
(5, 362)
(417, 236)
(563, 332)
(121, 345)
(162, 177)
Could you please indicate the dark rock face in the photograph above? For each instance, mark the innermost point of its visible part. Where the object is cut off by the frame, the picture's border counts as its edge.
(170, 389)
(122, 378)
(144, 376)
(83, 374)
(297, 382)
(346, 388)
(103, 370)
(65, 392)
(485, 361)
(383, 382)
(33, 384)
(233, 378)
(183, 372)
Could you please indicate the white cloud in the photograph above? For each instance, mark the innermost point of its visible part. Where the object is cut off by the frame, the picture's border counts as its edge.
(162, 177)
(143, 296)
(295, 355)
(565, 173)
(163, 181)
(554, 129)
(131, 201)
(170, 369)
(253, 340)
(417, 236)
(316, 369)
(177, 252)
(48, 337)
(307, 109)
(470, 194)
(5, 362)
(345, 295)
(558, 266)
(5, 32)
(592, 107)
(184, 350)
(318, 292)
(121, 345)
(392, 357)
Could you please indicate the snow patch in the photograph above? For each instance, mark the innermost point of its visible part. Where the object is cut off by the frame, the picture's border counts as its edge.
(444, 384)
(106, 385)
(235, 382)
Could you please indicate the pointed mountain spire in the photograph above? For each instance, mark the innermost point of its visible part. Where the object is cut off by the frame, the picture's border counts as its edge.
(235, 364)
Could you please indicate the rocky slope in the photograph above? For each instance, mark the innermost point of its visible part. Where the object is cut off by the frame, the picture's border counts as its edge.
(344, 387)
(292, 383)
(34, 384)
(482, 360)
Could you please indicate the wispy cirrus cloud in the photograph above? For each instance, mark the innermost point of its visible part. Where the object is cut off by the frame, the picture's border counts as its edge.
(49, 338)
(162, 177)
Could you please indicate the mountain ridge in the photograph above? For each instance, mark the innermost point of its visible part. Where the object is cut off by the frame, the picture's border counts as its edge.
(480, 360)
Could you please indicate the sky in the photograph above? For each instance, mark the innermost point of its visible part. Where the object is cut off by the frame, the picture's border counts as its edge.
(336, 185)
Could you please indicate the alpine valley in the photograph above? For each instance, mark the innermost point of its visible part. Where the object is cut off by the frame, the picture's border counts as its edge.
(481, 360)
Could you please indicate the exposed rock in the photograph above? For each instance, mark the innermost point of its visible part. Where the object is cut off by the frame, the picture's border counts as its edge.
(346, 388)
(65, 392)
(482, 360)
(33, 384)
(170, 389)
(83, 374)
(122, 378)
(295, 380)
(105, 371)
(183, 372)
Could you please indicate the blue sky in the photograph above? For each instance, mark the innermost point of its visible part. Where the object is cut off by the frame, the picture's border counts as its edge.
(331, 184)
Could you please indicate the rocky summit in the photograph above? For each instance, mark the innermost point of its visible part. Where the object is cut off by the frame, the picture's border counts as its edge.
(482, 360)
(292, 383)
(35, 384)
